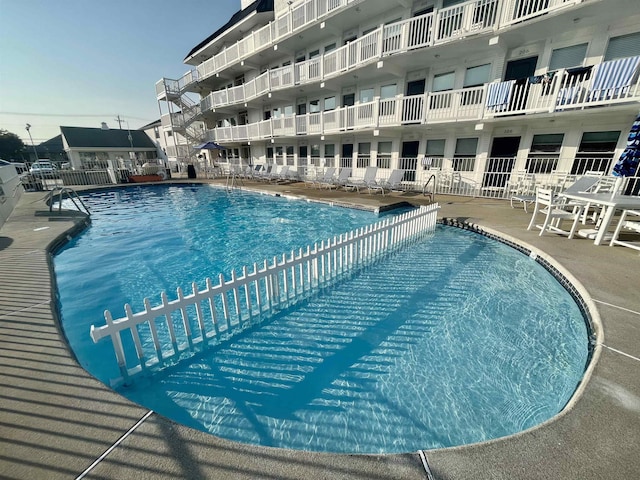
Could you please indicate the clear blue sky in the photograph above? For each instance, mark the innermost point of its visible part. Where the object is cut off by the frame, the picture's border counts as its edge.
(83, 62)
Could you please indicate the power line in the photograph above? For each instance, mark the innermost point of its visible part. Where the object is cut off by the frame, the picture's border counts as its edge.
(35, 114)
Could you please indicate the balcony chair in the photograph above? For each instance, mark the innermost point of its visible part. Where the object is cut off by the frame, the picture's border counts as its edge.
(554, 212)
(629, 222)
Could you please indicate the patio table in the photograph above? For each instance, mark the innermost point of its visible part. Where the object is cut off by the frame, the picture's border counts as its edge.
(611, 203)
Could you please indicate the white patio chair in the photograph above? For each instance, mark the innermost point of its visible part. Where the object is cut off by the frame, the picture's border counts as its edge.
(594, 213)
(629, 222)
(523, 189)
(554, 213)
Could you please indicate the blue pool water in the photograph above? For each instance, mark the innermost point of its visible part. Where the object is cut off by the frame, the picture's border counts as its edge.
(456, 339)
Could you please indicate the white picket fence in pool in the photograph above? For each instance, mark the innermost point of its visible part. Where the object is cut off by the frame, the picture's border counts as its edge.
(219, 310)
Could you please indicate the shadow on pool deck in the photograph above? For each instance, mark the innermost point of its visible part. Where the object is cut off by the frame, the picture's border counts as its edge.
(56, 420)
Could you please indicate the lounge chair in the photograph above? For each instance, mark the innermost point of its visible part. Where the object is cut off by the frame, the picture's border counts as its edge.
(264, 173)
(341, 180)
(323, 179)
(554, 213)
(394, 182)
(280, 176)
(367, 181)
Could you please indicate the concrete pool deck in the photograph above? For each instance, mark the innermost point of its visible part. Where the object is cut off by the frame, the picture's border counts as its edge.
(56, 421)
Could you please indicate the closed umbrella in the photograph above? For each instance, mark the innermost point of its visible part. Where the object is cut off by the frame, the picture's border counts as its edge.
(627, 164)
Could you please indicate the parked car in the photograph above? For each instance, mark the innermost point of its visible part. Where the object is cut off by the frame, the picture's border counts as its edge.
(43, 169)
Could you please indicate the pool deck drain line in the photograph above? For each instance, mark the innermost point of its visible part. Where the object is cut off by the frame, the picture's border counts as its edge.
(8, 314)
(620, 352)
(616, 306)
(425, 464)
(113, 447)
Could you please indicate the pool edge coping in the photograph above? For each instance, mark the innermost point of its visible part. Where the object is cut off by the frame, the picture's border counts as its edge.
(589, 308)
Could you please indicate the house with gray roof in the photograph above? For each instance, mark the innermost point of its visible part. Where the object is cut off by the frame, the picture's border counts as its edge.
(91, 148)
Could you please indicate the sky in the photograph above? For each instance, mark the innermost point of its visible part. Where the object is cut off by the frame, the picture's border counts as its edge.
(82, 62)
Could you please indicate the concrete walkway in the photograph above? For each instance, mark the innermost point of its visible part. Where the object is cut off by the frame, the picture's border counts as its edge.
(56, 421)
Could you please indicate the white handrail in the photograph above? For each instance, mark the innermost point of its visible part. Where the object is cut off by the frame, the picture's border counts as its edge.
(232, 304)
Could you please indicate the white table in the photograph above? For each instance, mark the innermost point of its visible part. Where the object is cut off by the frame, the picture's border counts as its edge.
(610, 204)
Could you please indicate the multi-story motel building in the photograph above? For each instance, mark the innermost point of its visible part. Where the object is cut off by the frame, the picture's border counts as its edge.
(472, 92)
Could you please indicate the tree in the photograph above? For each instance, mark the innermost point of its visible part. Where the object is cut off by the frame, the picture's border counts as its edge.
(11, 145)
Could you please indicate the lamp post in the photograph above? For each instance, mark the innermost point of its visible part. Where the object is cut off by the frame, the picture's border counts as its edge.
(28, 128)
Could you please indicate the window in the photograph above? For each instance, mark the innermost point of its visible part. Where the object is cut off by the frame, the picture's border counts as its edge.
(156, 132)
(288, 110)
(443, 81)
(383, 158)
(315, 155)
(465, 155)
(279, 156)
(568, 57)
(329, 155)
(595, 152)
(434, 154)
(314, 54)
(366, 95)
(314, 106)
(623, 46)
(329, 103)
(289, 155)
(364, 155)
(388, 91)
(330, 47)
(544, 153)
(477, 76)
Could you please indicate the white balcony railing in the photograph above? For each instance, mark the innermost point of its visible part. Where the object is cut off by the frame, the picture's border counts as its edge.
(607, 83)
(440, 26)
(443, 25)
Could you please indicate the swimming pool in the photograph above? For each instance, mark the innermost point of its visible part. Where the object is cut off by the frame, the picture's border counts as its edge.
(430, 348)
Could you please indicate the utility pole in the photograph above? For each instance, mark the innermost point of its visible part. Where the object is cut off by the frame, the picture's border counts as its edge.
(119, 120)
(28, 128)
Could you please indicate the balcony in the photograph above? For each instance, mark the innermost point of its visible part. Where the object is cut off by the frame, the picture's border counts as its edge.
(605, 84)
(441, 26)
(473, 17)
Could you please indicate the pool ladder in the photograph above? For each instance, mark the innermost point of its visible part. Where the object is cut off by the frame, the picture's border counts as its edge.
(66, 192)
(432, 193)
(234, 180)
